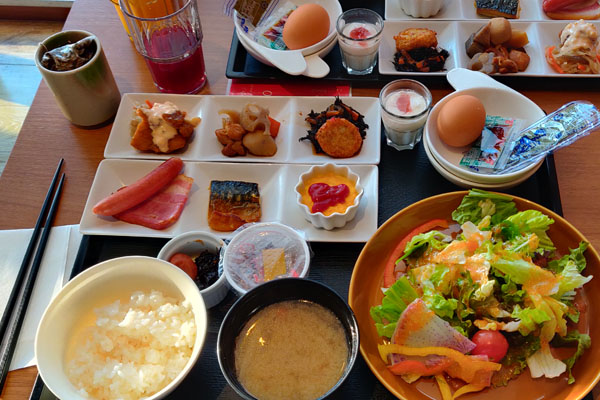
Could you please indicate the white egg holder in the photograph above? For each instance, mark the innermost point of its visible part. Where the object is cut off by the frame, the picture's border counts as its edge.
(452, 36)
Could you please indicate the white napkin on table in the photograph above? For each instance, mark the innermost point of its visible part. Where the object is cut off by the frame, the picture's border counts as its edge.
(55, 270)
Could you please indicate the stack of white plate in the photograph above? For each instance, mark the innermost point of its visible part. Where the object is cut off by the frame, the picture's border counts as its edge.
(446, 159)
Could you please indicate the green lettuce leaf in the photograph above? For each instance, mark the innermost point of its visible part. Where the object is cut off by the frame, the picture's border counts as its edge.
(444, 308)
(396, 298)
(519, 270)
(583, 342)
(530, 318)
(420, 242)
(575, 255)
(479, 203)
(570, 278)
(510, 292)
(533, 221)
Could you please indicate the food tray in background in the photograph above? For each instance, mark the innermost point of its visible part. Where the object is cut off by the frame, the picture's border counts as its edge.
(240, 64)
(288, 110)
(276, 184)
(452, 36)
(531, 10)
(404, 178)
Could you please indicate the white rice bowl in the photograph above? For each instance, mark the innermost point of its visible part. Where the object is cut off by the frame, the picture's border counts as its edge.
(128, 328)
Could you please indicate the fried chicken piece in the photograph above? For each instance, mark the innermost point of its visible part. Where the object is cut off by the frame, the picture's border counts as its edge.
(339, 138)
(415, 38)
(142, 138)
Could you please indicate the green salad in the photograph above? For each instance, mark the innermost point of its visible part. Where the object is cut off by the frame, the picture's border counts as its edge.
(492, 275)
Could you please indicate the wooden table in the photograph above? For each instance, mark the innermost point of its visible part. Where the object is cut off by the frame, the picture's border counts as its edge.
(47, 136)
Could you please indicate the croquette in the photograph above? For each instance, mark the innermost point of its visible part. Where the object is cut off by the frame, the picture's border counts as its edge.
(339, 138)
(414, 38)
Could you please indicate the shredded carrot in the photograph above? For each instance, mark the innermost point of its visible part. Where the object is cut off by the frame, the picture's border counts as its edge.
(581, 67)
(552, 61)
(149, 103)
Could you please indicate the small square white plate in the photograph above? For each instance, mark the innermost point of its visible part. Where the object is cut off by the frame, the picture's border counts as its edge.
(276, 185)
(204, 146)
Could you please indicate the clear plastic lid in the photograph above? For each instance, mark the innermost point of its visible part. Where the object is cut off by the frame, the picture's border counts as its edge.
(262, 252)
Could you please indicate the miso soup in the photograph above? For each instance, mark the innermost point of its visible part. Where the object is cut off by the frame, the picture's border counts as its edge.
(291, 350)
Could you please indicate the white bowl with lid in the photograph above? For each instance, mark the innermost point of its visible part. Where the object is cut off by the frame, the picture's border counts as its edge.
(254, 255)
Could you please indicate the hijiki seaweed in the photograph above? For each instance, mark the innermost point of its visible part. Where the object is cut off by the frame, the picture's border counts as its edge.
(339, 110)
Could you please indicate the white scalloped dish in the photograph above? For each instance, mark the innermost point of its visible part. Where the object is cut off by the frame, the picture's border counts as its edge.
(335, 219)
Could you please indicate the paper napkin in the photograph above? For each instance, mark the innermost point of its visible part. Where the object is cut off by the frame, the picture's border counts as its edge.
(57, 262)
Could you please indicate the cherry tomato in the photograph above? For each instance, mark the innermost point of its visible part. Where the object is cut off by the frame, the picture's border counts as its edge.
(186, 263)
(490, 343)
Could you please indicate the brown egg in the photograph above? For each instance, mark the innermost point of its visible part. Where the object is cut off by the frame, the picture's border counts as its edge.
(306, 25)
(461, 120)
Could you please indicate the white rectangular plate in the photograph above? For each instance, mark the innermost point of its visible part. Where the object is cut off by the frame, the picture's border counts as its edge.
(452, 36)
(276, 185)
(531, 10)
(289, 111)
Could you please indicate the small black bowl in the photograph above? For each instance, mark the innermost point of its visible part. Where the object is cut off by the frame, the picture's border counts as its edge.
(277, 291)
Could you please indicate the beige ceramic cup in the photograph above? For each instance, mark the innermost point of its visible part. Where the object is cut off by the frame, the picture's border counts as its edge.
(87, 95)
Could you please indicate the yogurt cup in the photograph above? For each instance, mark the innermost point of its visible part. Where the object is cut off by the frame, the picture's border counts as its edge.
(405, 106)
(359, 34)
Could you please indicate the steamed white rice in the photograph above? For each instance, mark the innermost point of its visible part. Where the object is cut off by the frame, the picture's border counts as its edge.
(135, 349)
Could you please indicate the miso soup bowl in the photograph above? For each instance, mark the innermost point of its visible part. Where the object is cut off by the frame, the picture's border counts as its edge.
(277, 291)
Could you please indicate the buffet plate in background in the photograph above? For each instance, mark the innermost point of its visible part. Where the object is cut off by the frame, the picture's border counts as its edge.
(531, 10)
(452, 36)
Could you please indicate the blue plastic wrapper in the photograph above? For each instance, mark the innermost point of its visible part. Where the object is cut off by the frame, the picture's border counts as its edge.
(564, 126)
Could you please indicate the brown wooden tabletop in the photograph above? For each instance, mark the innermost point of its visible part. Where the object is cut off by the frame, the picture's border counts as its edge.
(47, 136)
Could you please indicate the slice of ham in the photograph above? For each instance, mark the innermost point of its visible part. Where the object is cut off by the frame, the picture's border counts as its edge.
(163, 209)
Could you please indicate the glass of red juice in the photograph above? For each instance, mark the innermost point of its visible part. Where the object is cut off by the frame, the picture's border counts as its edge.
(169, 36)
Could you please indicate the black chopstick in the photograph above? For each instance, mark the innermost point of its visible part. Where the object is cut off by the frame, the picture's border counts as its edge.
(27, 258)
(19, 313)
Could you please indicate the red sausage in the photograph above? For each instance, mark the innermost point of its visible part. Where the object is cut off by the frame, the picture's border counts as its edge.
(132, 195)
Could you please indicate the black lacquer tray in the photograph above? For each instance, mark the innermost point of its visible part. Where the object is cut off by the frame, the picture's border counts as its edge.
(404, 178)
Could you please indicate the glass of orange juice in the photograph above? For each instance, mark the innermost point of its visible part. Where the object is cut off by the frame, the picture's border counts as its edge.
(121, 17)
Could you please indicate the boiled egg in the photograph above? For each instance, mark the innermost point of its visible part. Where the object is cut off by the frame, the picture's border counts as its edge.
(461, 120)
(307, 25)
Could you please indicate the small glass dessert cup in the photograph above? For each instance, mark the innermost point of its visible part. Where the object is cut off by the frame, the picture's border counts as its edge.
(359, 33)
(338, 215)
(405, 106)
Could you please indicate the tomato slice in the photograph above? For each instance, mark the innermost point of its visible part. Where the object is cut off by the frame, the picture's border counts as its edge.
(186, 263)
(388, 274)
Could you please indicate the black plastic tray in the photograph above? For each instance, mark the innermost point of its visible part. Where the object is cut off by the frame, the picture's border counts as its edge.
(404, 178)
